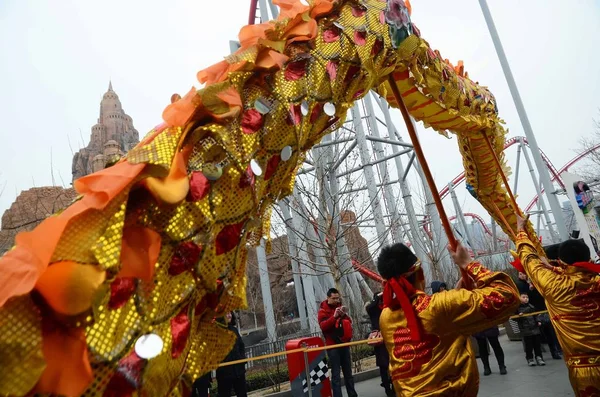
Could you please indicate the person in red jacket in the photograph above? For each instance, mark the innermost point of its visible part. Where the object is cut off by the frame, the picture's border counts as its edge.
(337, 328)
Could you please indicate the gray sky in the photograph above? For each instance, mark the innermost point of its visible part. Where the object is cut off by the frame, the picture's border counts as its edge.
(57, 59)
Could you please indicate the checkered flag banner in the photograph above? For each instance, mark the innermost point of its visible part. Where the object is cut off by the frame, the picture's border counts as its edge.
(317, 375)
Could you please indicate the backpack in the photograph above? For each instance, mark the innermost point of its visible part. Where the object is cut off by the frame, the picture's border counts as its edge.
(343, 330)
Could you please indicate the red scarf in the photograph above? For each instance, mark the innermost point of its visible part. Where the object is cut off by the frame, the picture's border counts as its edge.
(592, 267)
(397, 293)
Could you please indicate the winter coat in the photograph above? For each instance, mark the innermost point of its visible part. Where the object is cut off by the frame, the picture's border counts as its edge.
(335, 330)
(436, 285)
(493, 332)
(236, 371)
(374, 309)
(535, 298)
(528, 324)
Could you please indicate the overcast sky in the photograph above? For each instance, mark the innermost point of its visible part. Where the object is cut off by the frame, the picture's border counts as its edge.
(57, 59)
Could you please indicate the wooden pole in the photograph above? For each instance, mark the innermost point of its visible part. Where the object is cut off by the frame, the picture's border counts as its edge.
(421, 157)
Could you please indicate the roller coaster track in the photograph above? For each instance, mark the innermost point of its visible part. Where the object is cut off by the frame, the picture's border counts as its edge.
(563, 169)
(509, 142)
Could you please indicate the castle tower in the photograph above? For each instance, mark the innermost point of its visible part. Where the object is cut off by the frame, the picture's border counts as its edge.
(112, 136)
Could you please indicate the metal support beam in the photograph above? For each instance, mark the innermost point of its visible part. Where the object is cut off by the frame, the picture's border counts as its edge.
(415, 236)
(365, 158)
(329, 216)
(307, 274)
(378, 139)
(537, 158)
(293, 250)
(516, 185)
(331, 142)
(388, 193)
(494, 238)
(410, 163)
(461, 217)
(265, 287)
(360, 189)
(372, 163)
(540, 201)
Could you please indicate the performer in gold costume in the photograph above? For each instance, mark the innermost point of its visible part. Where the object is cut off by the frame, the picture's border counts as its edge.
(427, 336)
(572, 293)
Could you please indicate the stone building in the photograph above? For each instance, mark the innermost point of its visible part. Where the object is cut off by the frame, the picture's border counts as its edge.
(111, 137)
(29, 209)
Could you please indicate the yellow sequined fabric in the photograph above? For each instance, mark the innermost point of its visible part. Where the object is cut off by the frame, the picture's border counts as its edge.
(443, 362)
(573, 300)
(167, 227)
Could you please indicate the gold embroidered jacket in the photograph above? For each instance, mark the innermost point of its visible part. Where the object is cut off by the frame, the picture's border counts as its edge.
(573, 299)
(443, 363)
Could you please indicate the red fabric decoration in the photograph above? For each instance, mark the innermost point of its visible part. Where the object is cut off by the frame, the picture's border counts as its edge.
(121, 291)
(126, 379)
(396, 294)
(295, 116)
(353, 70)
(228, 238)
(295, 70)
(358, 11)
(360, 37)
(377, 47)
(332, 34)
(518, 265)
(180, 332)
(358, 94)
(199, 186)
(186, 256)
(332, 68)
(210, 300)
(252, 121)
(247, 179)
(272, 166)
(316, 112)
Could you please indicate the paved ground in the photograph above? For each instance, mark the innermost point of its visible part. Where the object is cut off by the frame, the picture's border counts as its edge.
(521, 380)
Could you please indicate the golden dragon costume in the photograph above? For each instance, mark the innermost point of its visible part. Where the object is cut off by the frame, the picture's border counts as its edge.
(156, 244)
(573, 298)
(428, 336)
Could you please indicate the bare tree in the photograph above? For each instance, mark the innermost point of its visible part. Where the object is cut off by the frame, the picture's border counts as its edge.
(590, 170)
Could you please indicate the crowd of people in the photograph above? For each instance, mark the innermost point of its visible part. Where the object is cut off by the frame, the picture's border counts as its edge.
(426, 348)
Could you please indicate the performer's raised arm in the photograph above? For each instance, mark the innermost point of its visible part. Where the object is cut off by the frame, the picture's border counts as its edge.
(492, 301)
(540, 273)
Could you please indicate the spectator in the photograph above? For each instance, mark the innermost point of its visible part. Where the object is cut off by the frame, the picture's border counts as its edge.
(530, 329)
(382, 358)
(491, 335)
(539, 303)
(438, 286)
(337, 328)
(232, 376)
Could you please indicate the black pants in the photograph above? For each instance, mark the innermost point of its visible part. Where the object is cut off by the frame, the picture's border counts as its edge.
(483, 353)
(550, 336)
(533, 344)
(237, 384)
(383, 362)
(339, 359)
